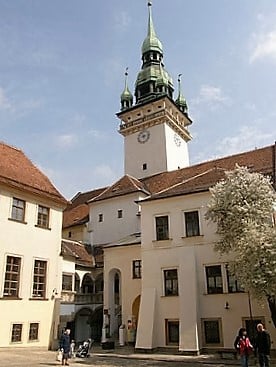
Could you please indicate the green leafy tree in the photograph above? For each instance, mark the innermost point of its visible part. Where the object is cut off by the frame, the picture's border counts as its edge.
(243, 207)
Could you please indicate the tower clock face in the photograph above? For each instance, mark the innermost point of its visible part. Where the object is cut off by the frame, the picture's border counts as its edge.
(177, 140)
(143, 136)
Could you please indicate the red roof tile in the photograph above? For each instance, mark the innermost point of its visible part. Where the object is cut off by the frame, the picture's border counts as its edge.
(78, 252)
(77, 212)
(16, 170)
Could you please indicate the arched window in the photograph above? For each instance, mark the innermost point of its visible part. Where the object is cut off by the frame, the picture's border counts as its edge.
(87, 284)
(77, 283)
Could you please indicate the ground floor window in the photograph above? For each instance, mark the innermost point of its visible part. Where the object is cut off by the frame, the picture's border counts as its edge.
(212, 332)
(172, 332)
(16, 333)
(33, 331)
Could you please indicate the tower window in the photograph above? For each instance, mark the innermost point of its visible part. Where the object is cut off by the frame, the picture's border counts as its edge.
(100, 217)
(145, 166)
(120, 213)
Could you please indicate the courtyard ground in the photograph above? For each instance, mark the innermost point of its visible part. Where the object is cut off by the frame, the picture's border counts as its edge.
(123, 357)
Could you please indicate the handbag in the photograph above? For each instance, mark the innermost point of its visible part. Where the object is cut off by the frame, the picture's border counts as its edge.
(59, 355)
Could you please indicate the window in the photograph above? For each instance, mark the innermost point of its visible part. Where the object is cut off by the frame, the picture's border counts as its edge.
(43, 217)
(16, 333)
(12, 276)
(67, 282)
(232, 283)
(214, 279)
(100, 217)
(120, 213)
(172, 332)
(39, 279)
(162, 228)
(145, 166)
(171, 282)
(212, 331)
(69, 234)
(136, 269)
(192, 224)
(18, 210)
(33, 331)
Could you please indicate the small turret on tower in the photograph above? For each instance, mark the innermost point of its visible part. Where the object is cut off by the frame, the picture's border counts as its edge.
(181, 101)
(126, 96)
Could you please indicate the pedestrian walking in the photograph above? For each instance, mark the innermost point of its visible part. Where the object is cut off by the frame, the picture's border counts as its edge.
(65, 347)
(263, 345)
(244, 347)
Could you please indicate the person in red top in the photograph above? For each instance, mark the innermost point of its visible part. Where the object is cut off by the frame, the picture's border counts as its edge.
(243, 345)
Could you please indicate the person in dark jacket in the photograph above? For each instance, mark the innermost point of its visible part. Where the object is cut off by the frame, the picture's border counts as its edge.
(263, 345)
(65, 347)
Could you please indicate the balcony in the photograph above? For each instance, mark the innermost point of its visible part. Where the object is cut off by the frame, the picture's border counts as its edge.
(82, 298)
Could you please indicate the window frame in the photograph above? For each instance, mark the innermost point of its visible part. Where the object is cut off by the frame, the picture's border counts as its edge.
(15, 208)
(207, 279)
(13, 332)
(12, 296)
(40, 222)
(236, 283)
(35, 290)
(186, 231)
(167, 329)
(136, 269)
(167, 230)
(166, 292)
(31, 340)
(204, 339)
(72, 276)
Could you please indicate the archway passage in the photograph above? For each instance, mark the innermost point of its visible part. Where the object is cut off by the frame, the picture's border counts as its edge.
(97, 324)
(136, 309)
(83, 325)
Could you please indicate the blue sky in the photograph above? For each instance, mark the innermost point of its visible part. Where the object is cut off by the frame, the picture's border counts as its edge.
(62, 72)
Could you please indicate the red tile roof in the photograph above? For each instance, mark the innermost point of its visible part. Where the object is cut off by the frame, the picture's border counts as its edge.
(78, 252)
(77, 212)
(126, 185)
(17, 170)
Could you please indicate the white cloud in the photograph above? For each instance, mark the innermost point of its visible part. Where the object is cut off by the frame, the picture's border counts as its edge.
(122, 21)
(212, 96)
(248, 138)
(105, 173)
(264, 46)
(66, 141)
(4, 102)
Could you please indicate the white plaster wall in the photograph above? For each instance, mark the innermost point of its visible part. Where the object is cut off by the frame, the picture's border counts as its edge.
(113, 228)
(177, 155)
(189, 256)
(30, 242)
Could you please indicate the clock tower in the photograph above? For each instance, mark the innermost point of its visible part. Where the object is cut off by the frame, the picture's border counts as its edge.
(155, 128)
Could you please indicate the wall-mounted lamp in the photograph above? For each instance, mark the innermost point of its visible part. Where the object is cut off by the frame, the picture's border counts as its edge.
(226, 306)
(55, 292)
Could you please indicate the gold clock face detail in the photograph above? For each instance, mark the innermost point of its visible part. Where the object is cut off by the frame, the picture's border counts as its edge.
(177, 140)
(143, 136)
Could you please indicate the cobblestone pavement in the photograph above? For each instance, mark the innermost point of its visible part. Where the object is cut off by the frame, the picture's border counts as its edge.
(25, 357)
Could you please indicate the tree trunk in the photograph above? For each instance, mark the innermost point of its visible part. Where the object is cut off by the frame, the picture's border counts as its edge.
(272, 306)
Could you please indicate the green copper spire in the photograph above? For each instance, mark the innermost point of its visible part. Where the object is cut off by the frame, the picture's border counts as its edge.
(153, 80)
(181, 101)
(126, 96)
(151, 42)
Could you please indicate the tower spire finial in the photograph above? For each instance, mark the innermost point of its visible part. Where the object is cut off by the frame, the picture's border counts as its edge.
(181, 101)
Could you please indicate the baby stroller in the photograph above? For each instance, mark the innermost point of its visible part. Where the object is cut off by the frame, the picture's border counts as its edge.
(84, 348)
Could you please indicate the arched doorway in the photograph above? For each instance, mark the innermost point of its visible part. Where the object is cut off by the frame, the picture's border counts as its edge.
(114, 297)
(97, 324)
(87, 284)
(135, 309)
(83, 324)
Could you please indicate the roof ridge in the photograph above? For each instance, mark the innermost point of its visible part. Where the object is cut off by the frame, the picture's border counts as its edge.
(11, 146)
(133, 179)
(188, 180)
